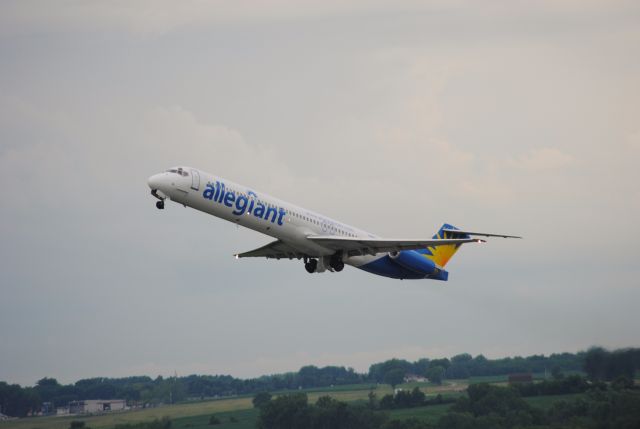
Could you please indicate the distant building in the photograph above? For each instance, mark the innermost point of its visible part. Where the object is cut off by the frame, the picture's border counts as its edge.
(47, 409)
(413, 378)
(4, 417)
(89, 406)
(520, 378)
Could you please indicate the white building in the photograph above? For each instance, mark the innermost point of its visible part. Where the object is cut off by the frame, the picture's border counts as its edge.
(89, 406)
(412, 378)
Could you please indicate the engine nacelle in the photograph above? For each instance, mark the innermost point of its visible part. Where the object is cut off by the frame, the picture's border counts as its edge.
(414, 261)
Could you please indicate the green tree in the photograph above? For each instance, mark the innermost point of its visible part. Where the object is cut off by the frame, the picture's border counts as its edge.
(387, 402)
(461, 358)
(286, 411)
(556, 373)
(600, 364)
(485, 399)
(373, 400)
(622, 383)
(445, 363)
(261, 399)
(46, 381)
(420, 366)
(331, 414)
(409, 399)
(595, 363)
(16, 401)
(621, 363)
(394, 377)
(377, 371)
(457, 421)
(435, 374)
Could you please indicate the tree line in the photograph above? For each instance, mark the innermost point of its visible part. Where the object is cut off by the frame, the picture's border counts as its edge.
(19, 401)
(598, 363)
(464, 365)
(485, 406)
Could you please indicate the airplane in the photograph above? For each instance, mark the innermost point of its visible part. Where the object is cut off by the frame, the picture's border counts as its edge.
(324, 244)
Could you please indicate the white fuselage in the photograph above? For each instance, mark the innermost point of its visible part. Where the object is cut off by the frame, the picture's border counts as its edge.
(255, 210)
(321, 242)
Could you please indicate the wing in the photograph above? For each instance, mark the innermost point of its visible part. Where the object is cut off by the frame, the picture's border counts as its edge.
(359, 246)
(276, 249)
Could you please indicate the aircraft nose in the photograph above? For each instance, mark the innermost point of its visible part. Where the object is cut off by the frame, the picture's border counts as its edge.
(155, 181)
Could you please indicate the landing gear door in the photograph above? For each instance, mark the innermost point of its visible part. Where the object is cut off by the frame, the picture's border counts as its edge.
(195, 180)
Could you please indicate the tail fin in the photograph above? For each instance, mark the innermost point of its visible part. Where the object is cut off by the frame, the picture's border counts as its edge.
(441, 254)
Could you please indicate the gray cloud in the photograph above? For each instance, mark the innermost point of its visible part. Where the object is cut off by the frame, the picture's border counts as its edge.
(396, 118)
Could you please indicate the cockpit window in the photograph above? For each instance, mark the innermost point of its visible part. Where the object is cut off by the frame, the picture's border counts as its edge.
(179, 171)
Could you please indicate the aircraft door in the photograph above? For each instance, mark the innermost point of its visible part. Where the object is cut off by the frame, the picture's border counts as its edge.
(195, 180)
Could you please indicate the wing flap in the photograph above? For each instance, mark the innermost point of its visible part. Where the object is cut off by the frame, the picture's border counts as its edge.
(276, 249)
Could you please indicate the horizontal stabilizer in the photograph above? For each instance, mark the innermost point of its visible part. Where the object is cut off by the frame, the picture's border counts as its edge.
(482, 234)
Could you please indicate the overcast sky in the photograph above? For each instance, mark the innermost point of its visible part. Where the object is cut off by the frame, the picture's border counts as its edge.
(498, 116)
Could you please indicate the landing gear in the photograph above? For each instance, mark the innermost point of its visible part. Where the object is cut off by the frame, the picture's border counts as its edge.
(336, 263)
(324, 263)
(311, 265)
(160, 203)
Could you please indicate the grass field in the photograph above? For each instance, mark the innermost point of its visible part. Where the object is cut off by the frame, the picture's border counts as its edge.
(429, 414)
(245, 419)
(196, 415)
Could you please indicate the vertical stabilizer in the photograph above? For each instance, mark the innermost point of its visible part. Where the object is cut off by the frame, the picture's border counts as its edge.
(442, 254)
